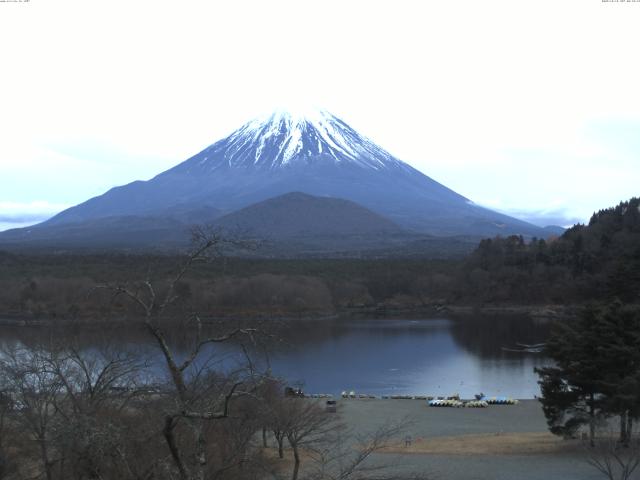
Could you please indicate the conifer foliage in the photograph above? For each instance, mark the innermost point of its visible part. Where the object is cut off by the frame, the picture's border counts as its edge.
(597, 371)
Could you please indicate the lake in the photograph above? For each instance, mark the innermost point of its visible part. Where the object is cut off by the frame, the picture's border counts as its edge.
(437, 356)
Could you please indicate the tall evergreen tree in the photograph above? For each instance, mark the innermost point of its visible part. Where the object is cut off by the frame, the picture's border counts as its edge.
(596, 372)
(570, 396)
(618, 328)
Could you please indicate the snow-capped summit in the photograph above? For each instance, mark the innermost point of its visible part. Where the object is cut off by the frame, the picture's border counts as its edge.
(285, 139)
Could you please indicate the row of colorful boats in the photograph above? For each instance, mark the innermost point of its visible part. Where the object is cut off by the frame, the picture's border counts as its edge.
(454, 401)
(353, 394)
(481, 403)
(501, 401)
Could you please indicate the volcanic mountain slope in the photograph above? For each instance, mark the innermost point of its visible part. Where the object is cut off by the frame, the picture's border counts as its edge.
(317, 154)
(297, 224)
(298, 215)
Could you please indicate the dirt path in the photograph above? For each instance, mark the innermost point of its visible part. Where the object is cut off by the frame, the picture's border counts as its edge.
(531, 443)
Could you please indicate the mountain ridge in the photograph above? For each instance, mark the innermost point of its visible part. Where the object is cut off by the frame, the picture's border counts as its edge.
(319, 156)
(298, 214)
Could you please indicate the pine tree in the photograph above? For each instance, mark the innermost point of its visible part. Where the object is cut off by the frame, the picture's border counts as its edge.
(618, 329)
(570, 394)
(597, 371)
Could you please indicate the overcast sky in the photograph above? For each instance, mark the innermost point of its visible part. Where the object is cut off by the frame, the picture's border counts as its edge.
(529, 107)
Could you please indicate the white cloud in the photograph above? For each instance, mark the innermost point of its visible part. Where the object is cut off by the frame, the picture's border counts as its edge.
(35, 209)
(21, 214)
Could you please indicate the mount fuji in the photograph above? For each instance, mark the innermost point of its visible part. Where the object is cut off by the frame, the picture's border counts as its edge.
(315, 154)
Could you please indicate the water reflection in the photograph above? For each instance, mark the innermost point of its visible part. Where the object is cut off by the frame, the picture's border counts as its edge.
(434, 357)
(381, 356)
(486, 336)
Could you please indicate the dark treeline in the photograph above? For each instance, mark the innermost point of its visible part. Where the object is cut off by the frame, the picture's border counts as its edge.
(597, 261)
(61, 286)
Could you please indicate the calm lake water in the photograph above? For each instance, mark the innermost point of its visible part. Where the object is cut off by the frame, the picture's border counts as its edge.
(436, 357)
(431, 357)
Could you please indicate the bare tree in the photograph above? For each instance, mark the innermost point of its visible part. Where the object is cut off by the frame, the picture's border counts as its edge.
(193, 402)
(306, 424)
(345, 455)
(272, 412)
(91, 431)
(34, 391)
(615, 460)
(7, 465)
(92, 379)
(72, 402)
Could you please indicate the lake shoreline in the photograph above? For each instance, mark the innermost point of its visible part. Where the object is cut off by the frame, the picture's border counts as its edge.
(537, 312)
(438, 356)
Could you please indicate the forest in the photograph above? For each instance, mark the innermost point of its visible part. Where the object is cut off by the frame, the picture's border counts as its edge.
(597, 261)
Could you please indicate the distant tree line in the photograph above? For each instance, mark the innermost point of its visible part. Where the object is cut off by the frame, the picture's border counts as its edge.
(598, 261)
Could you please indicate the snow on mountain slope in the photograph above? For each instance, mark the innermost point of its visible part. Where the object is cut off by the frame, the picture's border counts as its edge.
(283, 140)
